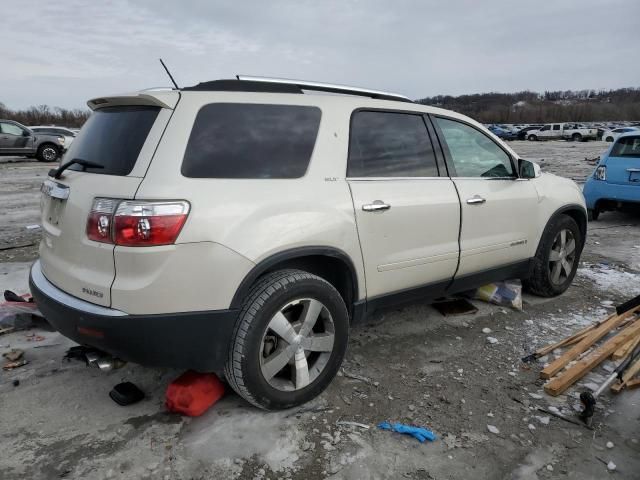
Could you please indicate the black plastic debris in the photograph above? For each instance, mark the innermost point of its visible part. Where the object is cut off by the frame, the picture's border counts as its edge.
(126, 393)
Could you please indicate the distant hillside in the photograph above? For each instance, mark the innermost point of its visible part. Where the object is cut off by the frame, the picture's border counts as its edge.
(531, 107)
(45, 115)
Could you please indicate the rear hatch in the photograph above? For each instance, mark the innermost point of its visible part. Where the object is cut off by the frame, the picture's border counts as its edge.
(623, 162)
(121, 135)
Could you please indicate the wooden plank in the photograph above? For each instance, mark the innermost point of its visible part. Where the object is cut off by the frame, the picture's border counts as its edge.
(628, 374)
(576, 337)
(583, 345)
(635, 383)
(626, 349)
(577, 371)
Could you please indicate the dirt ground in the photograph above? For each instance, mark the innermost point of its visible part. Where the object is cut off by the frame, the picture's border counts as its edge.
(410, 365)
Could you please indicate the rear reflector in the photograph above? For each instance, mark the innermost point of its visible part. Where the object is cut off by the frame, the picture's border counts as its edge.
(136, 223)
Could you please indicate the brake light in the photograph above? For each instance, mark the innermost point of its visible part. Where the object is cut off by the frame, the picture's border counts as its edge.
(600, 173)
(136, 223)
(100, 220)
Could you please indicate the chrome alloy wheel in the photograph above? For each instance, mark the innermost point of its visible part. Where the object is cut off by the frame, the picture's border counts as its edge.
(562, 257)
(297, 344)
(49, 154)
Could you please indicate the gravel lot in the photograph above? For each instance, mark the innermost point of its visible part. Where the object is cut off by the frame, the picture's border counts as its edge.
(423, 368)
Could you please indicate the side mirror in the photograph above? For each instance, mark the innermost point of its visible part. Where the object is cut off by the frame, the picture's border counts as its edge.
(527, 169)
(26, 133)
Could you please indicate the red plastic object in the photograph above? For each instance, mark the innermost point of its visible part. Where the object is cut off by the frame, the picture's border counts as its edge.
(192, 393)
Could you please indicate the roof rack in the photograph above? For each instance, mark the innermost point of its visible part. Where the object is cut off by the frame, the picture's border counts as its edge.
(245, 83)
(328, 87)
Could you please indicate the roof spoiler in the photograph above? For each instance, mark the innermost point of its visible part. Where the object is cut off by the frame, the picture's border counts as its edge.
(156, 97)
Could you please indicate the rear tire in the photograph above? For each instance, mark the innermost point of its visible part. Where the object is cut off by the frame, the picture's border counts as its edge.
(576, 137)
(609, 139)
(47, 153)
(593, 214)
(281, 354)
(557, 258)
(532, 138)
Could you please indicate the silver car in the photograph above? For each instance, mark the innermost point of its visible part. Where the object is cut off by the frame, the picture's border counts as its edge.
(18, 140)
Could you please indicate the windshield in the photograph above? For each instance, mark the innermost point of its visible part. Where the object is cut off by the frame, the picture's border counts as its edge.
(113, 137)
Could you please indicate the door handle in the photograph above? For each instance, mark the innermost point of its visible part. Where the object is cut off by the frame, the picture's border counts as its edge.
(376, 206)
(476, 200)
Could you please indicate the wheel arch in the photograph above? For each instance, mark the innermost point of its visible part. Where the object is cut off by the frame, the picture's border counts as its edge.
(576, 212)
(47, 143)
(329, 263)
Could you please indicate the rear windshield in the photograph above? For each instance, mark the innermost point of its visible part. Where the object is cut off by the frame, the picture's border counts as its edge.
(113, 137)
(232, 140)
(626, 147)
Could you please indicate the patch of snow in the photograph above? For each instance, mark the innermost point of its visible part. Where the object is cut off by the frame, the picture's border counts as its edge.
(608, 278)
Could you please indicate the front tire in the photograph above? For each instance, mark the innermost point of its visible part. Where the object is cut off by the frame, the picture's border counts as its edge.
(289, 341)
(47, 153)
(609, 139)
(557, 258)
(576, 137)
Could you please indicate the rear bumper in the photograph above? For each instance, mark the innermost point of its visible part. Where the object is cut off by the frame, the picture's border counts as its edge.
(595, 191)
(191, 340)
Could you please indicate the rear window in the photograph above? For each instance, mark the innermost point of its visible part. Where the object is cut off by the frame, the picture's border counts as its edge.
(231, 140)
(390, 144)
(626, 147)
(113, 137)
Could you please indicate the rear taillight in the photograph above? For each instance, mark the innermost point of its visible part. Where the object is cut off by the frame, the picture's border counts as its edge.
(136, 223)
(600, 173)
(100, 220)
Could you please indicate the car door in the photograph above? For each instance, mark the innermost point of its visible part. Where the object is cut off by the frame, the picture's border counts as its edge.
(544, 132)
(498, 224)
(11, 138)
(556, 131)
(407, 214)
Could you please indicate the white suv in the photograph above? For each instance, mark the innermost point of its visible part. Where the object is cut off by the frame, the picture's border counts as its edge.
(241, 226)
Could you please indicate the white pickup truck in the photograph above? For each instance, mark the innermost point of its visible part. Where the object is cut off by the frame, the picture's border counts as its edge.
(567, 131)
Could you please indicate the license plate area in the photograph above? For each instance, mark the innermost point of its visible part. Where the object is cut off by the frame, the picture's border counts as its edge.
(54, 197)
(634, 175)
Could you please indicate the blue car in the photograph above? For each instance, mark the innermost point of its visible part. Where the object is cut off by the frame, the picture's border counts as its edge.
(501, 132)
(615, 183)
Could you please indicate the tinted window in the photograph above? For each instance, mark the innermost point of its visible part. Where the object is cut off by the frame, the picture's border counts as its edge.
(556, 127)
(11, 129)
(626, 147)
(113, 137)
(546, 127)
(473, 153)
(232, 140)
(387, 144)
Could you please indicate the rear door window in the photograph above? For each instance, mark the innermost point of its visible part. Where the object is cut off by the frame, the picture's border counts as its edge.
(235, 140)
(113, 137)
(390, 144)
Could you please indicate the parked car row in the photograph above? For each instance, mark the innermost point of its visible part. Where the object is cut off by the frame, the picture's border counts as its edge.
(568, 131)
(46, 143)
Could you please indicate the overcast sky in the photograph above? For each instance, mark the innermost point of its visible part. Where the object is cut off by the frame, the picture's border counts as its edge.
(65, 52)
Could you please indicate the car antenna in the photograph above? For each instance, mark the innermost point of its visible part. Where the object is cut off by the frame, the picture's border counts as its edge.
(169, 73)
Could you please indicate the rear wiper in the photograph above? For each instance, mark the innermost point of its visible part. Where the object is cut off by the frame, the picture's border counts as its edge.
(57, 172)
